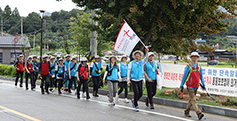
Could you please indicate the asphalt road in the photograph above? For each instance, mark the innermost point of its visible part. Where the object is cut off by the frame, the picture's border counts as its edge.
(18, 104)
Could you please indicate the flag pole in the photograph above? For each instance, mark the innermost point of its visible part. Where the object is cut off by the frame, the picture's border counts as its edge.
(139, 39)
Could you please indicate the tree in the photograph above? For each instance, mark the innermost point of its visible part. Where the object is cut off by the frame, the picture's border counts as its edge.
(233, 49)
(163, 23)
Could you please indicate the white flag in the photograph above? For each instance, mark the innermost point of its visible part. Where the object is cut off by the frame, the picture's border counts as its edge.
(126, 40)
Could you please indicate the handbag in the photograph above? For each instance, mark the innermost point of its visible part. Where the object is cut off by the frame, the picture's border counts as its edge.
(110, 71)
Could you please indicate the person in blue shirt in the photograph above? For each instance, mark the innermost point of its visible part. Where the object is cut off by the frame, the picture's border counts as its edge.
(150, 71)
(59, 71)
(113, 76)
(67, 66)
(72, 74)
(192, 76)
(95, 70)
(123, 67)
(53, 82)
(36, 69)
(136, 74)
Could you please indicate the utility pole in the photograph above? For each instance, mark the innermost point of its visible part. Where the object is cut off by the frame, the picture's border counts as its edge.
(1, 26)
(93, 41)
(21, 27)
(41, 42)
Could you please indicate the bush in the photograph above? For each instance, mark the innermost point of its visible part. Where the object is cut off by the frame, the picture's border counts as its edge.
(7, 70)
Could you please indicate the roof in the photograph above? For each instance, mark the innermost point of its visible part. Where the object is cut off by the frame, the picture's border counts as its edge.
(14, 42)
(199, 40)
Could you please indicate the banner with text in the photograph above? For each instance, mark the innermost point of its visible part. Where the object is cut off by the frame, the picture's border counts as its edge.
(126, 40)
(219, 81)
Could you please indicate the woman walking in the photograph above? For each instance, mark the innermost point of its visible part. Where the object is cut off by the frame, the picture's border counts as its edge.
(113, 76)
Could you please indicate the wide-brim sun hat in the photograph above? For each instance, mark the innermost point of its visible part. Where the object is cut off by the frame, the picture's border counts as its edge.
(151, 53)
(113, 56)
(83, 60)
(58, 56)
(60, 59)
(124, 56)
(52, 57)
(45, 56)
(194, 54)
(68, 55)
(97, 57)
(34, 56)
(21, 55)
(137, 51)
(29, 57)
(74, 57)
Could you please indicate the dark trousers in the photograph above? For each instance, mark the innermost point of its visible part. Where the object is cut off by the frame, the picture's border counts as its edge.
(123, 85)
(27, 75)
(45, 82)
(17, 77)
(83, 82)
(72, 81)
(137, 91)
(151, 91)
(35, 76)
(60, 84)
(96, 81)
(53, 82)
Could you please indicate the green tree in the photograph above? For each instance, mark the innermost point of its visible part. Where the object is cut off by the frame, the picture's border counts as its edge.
(163, 23)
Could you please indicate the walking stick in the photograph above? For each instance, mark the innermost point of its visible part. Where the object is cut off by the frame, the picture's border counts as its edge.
(208, 94)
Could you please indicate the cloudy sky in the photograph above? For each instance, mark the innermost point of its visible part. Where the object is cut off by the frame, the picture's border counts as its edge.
(27, 6)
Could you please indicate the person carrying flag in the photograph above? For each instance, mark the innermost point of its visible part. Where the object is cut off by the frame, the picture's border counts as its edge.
(44, 67)
(192, 76)
(29, 70)
(135, 74)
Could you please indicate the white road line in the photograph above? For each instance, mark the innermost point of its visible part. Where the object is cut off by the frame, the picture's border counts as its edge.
(130, 108)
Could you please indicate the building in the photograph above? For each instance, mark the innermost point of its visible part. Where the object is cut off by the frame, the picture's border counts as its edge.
(11, 47)
(199, 41)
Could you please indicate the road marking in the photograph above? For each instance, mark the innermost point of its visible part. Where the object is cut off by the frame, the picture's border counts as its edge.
(121, 106)
(18, 113)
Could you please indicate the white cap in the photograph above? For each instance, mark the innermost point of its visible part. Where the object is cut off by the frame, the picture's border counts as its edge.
(83, 59)
(124, 56)
(195, 54)
(137, 51)
(60, 59)
(74, 57)
(21, 55)
(97, 56)
(68, 55)
(45, 56)
(52, 57)
(112, 56)
(58, 56)
(29, 57)
(151, 53)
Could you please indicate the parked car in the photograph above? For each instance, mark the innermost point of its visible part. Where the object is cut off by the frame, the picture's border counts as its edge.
(213, 62)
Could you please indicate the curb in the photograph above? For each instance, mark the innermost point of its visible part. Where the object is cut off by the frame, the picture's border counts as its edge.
(168, 102)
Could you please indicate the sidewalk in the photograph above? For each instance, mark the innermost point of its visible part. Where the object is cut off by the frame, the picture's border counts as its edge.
(168, 102)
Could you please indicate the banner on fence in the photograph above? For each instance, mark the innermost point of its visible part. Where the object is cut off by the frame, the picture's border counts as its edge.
(219, 81)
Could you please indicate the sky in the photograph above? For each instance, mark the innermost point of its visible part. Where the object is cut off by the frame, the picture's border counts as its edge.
(27, 6)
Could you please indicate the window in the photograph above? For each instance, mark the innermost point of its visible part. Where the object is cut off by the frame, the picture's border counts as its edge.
(0, 58)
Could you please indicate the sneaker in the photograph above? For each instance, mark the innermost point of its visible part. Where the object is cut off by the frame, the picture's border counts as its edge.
(126, 100)
(137, 109)
(88, 97)
(51, 89)
(27, 88)
(15, 84)
(56, 88)
(83, 95)
(21, 85)
(112, 104)
(78, 96)
(147, 103)
(116, 97)
(42, 93)
(152, 107)
(186, 113)
(47, 92)
(132, 103)
(96, 95)
(59, 93)
(69, 91)
(200, 116)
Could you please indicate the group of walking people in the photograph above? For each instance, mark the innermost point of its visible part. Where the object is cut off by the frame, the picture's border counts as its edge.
(57, 74)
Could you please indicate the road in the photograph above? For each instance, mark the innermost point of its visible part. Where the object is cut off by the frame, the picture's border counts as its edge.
(18, 104)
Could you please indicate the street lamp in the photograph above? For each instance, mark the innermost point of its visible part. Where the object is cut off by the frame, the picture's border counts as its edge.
(41, 42)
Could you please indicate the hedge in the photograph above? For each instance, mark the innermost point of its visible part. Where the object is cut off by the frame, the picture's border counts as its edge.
(7, 70)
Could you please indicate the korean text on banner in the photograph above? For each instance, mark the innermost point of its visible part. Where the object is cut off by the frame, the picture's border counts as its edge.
(219, 81)
(126, 40)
